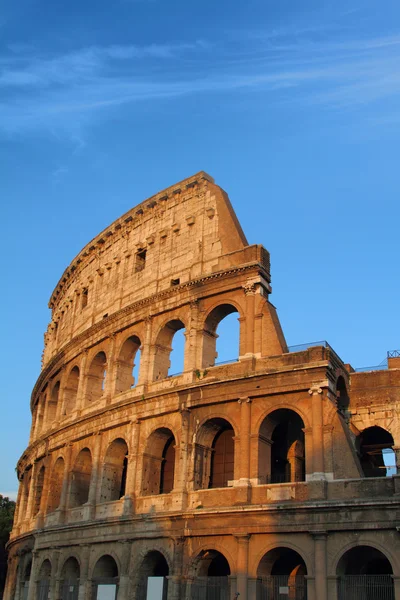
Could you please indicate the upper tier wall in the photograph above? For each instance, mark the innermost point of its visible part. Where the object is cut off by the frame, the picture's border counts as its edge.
(182, 233)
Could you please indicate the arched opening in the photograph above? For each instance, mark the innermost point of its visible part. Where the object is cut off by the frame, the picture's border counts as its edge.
(376, 452)
(70, 574)
(71, 391)
(26, 483)
(96, 377)
(221, 336)
(281, 455)
(80, 479)
(214, 455)
(25, 577)
(128, 365)
(212, 577)
(159, 463)
(52, 404)
(342, 397)
(166, 342)
(364, 572)
(56, 484)
(282, 571)
(38, 491)
(105, 578)
(43, 582)
(152, 583)
(114, 471)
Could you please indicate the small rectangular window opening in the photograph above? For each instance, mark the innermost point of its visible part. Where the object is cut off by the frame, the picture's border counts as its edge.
(85, 295)
(140, 260)
(175, 282)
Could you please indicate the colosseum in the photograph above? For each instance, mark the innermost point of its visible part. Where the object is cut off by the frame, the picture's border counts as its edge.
(266, 477)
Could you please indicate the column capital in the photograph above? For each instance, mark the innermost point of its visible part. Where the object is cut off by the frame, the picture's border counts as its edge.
(319, 534)
(315, 390)
(242, 538)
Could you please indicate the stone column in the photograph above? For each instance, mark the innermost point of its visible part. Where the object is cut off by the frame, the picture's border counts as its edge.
(65, 485)
(242, 564)
(54, 588)
(109, 384)
(130, 487)
(245, 425)
(80, 395)
(85, 584)
(123, 591)
(175, 580)
(92, 499)
(146, 363)
(182, 476)
(32, 490)
(34, 575)
(192, 346)
(396, 585)
(318, 470)
(320, 564)
(396, 450)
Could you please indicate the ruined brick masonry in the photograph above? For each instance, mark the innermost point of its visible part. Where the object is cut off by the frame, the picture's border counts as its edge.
(263, 477)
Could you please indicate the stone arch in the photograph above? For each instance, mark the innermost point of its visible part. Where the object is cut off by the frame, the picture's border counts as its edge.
(25, 575)
(39, 484)
(211, 323)
(128, 357)
(158, 475)
(114, 471)
(105, 573)
(56, 484)
(211, 575)
(80, 479)
(163, 348)
(372, 443)
(214, 459)
(44, 578)
(281, 447)
(69, 576)
(26, 483)
(154, 564)
(96, 377)
(279, 567)
(366, 541)
(71, 391)
(366, 569)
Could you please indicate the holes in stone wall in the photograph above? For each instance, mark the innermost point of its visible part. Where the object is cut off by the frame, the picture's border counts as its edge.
(84, 298)
(56, 484)
(140, 260)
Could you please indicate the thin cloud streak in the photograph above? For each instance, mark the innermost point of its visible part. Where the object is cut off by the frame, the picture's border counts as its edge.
(42, 92)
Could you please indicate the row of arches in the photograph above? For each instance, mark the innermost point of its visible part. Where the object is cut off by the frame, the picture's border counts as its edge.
(84, 386)
(281, 459)
(362, 572)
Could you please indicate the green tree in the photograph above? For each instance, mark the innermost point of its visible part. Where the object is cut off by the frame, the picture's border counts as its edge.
(7, 508)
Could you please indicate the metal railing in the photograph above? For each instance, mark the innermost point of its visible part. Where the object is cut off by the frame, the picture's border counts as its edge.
(366, 587)
(281, 587)
(393, 353)
(208, 588)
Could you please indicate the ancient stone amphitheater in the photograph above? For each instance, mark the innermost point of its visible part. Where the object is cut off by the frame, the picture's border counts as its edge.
(264, 477)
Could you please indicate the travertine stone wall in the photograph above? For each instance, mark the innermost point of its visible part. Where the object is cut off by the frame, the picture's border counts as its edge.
(271, 463)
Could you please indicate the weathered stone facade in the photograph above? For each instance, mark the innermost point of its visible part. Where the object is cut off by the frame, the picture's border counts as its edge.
(262, 477)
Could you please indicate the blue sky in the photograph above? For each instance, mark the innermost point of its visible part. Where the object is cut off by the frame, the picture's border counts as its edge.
(294, 109)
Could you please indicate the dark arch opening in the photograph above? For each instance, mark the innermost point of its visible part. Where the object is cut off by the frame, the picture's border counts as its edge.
(282, 568)
(52, 404)
(38, 491)
(342, 397)
(366, 571)
(159, 463)
(114, 471)
(376, 452)
(43, 582)
(71, 391)
(154, 566)
(70, 574)
(214, 463)
(212, 577)
(281, 449)
(221, 336)
(80, 479)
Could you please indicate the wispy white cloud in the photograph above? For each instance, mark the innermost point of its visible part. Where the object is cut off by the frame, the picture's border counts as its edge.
(66, 90)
